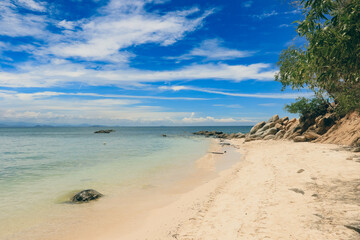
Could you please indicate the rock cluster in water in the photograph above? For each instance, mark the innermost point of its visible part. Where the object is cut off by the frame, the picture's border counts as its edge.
(218, 134)
(105, 131)
(86, 196)
(298, 130)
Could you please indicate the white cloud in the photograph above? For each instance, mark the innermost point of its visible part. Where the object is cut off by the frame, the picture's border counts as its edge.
(121, 25)
(13, 95)
(228, 105)
(209, 120)
(284, 25)
(14, 24)
(211, 49)
(247, 4)
(267, 104)
(70, 25)
(249, 95)
(32, 5)
(266, 15)
(66, 73)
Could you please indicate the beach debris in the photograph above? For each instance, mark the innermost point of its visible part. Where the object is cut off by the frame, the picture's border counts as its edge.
(297, 190)
(300, 170)
(86, 196)
(217, 152)
(356, 229)
(105, 131)
(225, 143)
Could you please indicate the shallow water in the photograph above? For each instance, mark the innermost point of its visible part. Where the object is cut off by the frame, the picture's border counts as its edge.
(41, 167)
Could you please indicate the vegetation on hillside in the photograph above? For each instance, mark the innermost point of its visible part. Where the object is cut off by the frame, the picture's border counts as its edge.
(329, 62)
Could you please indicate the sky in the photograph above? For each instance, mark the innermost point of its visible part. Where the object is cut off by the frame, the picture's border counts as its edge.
(143, 62)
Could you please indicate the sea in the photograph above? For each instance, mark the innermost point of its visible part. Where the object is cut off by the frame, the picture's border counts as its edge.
(41, 167)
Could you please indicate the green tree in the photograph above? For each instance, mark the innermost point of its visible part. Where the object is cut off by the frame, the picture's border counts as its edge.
(329, 63)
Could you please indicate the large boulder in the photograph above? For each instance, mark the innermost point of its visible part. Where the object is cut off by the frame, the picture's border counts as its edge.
(269, 137)
(282, 120)
(273, 118)
(86, 196)
(267, 126)
(270, 131)
(324, 123)
(310, 135)
(300, 139)
(239, 135)
(280, 134)
(257, 127)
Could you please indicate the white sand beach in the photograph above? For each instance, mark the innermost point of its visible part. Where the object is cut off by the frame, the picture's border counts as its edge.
(277, 190)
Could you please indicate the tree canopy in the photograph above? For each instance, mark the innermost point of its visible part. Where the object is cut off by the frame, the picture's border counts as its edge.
(329, 62)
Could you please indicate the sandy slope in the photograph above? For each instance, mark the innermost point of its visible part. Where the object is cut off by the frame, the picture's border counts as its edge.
(266, 195)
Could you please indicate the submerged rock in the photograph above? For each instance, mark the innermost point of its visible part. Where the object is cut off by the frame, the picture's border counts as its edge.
(86, 196)
(105, 131)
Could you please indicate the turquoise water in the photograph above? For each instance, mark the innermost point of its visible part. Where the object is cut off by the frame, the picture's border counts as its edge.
(42, 166)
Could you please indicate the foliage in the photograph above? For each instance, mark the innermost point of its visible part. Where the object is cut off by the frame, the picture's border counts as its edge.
(330, 61)
(309, 108)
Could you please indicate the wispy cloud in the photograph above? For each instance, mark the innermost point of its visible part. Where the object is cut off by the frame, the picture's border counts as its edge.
(267, 104)
(248, 95)
(228, 105)
(212, 49)
(247, 4)
(121, 25)
(266, 15)
(69, 73)
(32, 5)
(14, 24)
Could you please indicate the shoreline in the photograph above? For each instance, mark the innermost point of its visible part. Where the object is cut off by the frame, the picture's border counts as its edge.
(257, 190)
(279, 190)
(120, 212)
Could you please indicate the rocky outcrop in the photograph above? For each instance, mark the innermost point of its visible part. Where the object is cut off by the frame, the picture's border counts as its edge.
(86, 196)
(218, 134)
(298, 130)
(105, 131)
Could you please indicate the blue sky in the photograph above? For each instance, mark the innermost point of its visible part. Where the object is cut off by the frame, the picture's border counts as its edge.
(143, 62)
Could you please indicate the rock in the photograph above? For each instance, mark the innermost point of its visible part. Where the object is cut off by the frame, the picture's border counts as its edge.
(357, 149)
(292, 120)
(279, 126)
(300, 139)
(305, 123)
(240, 135)
(297, 190)
(164, 135)
(280, 134)
(86, 196)
(232, 135)
(257, 127)
(310, 135)
(300, 170)
(282, 120)
(325, 123)
(225, 144)
(273, 118)
(267, 126)
(269, 137)
(250, 138)
(285, 122)
(105, 131)
(271, 131)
